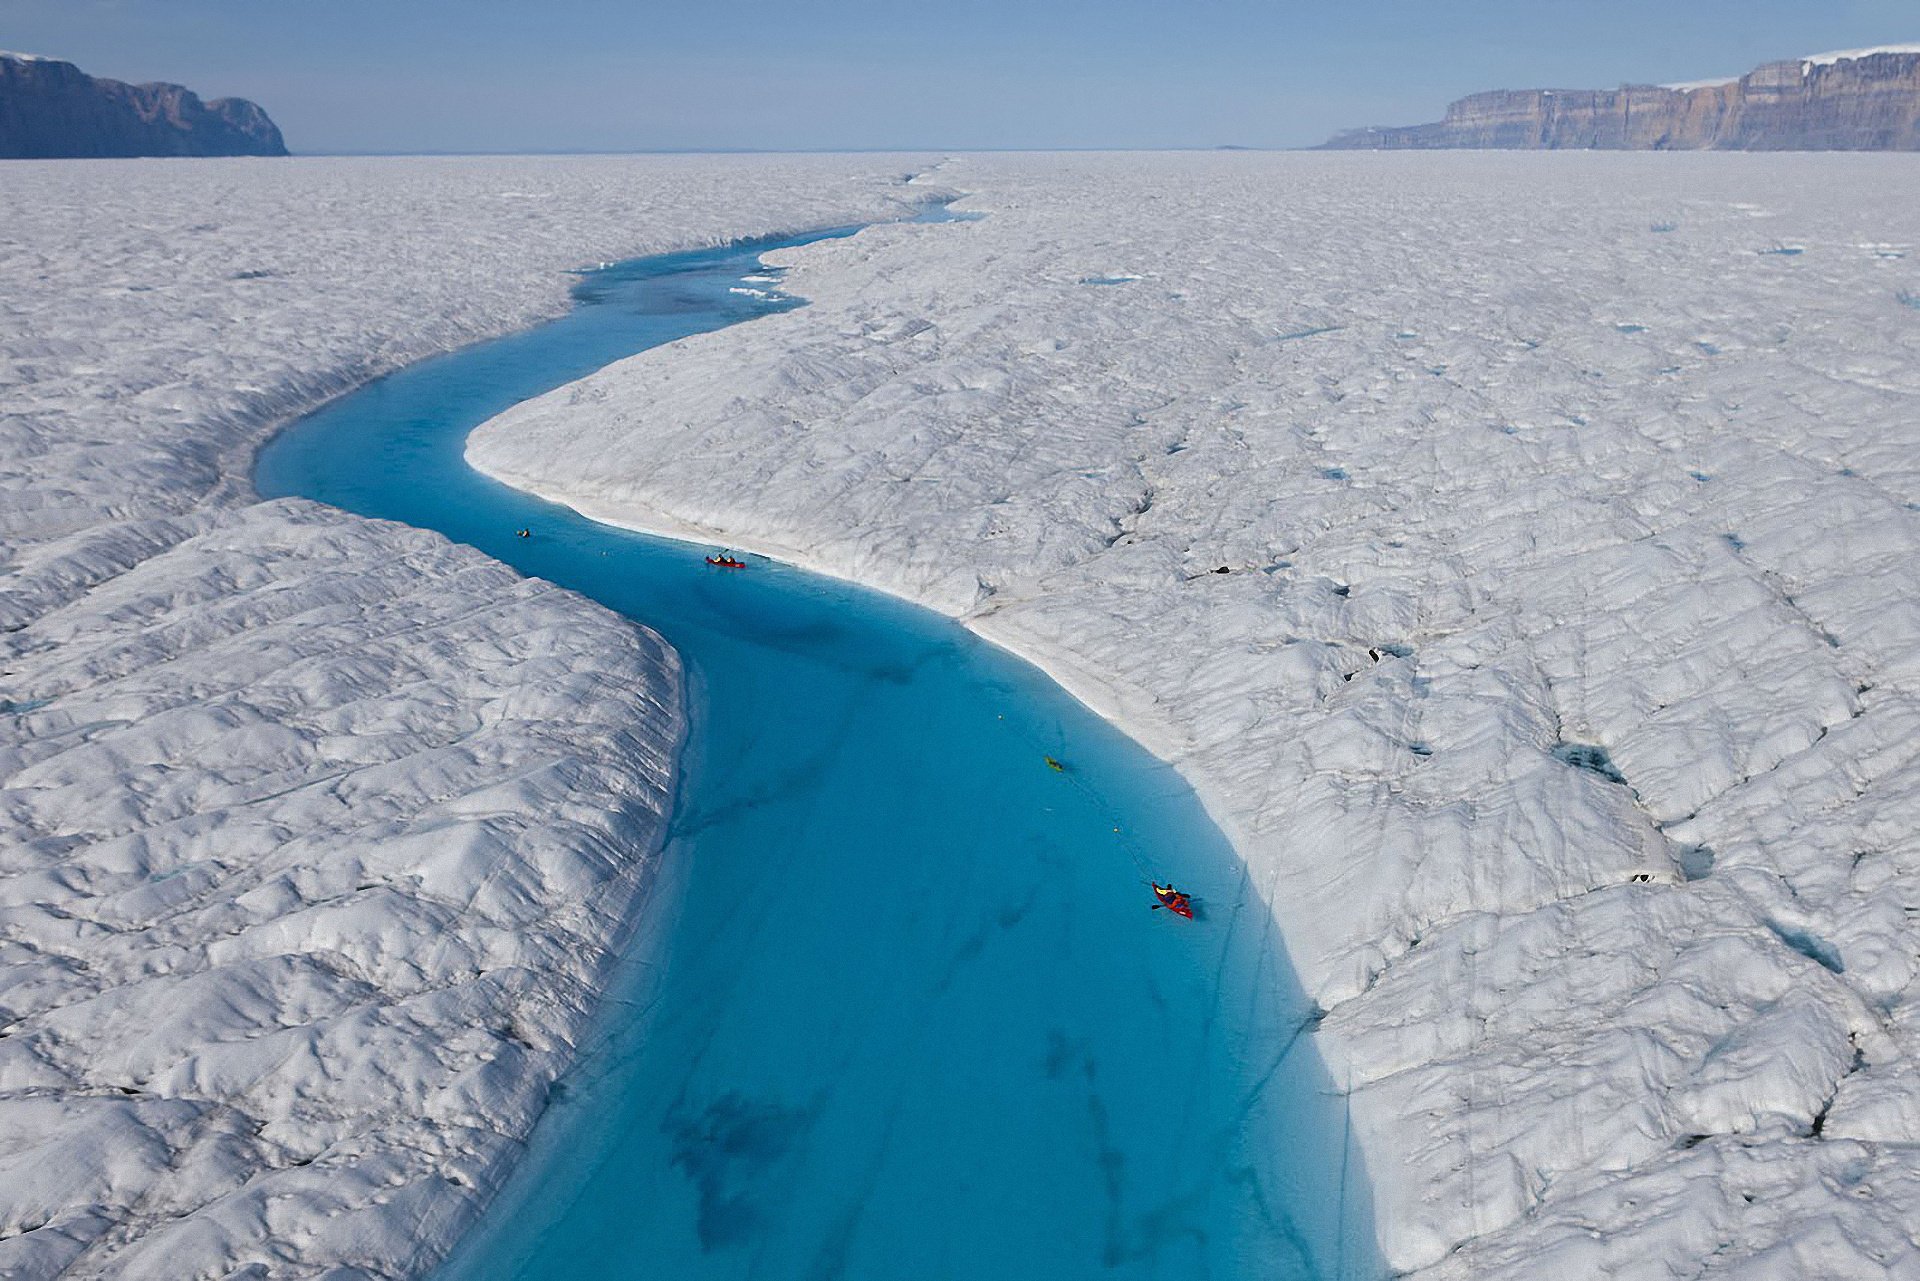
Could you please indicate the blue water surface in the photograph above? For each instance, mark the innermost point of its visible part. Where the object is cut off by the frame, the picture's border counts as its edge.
(896, 1006)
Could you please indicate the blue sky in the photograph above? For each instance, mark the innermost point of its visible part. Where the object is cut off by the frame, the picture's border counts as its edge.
(602, 75)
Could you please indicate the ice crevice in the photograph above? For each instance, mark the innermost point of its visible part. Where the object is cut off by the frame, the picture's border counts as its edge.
(1539, 981)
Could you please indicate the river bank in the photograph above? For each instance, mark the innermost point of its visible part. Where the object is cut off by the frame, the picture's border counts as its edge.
(904, 980)
(1548, 690)
(297, 810)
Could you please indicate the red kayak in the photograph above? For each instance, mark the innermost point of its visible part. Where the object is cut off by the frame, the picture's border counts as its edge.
(1175, 901)
(724, 561)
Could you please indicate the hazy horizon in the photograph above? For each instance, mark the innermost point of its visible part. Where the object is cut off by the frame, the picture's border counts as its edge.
(594, 76)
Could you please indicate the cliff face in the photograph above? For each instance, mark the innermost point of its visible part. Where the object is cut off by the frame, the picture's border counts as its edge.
(1868, 101)
(52, 109)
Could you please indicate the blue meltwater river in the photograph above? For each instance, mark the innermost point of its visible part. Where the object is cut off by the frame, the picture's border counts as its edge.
(896, 1008)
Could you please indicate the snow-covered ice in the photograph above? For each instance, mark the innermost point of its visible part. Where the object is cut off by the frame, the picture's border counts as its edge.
(1716, 82)
(1519, 558)
(1562, 687)
(1852, 55)
(317, 835)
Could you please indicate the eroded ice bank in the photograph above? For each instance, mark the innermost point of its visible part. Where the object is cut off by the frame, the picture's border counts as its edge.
(316, 834)
(1561, 683)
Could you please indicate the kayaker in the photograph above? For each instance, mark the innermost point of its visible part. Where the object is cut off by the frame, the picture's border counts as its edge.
(1176, 901)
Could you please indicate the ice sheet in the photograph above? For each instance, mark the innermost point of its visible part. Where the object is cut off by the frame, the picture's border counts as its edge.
(1517, 551)
(316, 834)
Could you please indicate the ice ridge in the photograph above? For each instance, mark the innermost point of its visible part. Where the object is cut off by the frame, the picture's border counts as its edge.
(317, 835)
(1571, 463)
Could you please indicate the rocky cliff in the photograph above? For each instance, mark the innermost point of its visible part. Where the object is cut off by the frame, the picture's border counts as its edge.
(1865, 100)
(52, 109)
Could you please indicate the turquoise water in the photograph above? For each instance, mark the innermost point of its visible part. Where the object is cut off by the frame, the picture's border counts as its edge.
(897, 1006)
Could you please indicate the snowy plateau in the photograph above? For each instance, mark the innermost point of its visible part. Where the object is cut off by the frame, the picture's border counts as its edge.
(1518, 552)
(317, 835)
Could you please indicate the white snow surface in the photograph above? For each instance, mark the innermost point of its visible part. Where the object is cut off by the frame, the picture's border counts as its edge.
(1688, 86)
(1564, 690)
(317, 835)
(1849, 55)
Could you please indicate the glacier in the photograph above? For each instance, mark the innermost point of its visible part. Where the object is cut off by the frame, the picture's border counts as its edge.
(318, 836)
(1515, 551)
(1560, 687)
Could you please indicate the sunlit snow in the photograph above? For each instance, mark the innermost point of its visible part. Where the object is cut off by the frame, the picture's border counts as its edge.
(1560, 688)
(1851, 55)
(1518, 552)
(316, 834)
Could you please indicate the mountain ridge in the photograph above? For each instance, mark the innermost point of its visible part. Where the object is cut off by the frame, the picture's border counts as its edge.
(50, 109)
(1853, 100)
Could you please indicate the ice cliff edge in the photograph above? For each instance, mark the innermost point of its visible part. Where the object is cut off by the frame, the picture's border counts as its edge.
(51, 109)
(1860, 100)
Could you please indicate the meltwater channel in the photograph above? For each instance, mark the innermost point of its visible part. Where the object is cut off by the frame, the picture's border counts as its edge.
(896, 1006)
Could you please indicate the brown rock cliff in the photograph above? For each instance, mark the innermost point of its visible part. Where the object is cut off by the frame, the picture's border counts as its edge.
(1869, 102)
(51, 109)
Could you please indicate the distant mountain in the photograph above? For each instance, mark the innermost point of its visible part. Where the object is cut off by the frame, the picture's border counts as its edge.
(53, 109)
(1859, 100)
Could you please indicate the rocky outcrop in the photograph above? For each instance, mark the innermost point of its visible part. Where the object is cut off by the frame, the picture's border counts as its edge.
(51, 109)
(1867, 100)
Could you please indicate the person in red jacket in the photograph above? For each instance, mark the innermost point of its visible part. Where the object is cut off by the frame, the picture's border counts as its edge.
(1176, 901)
